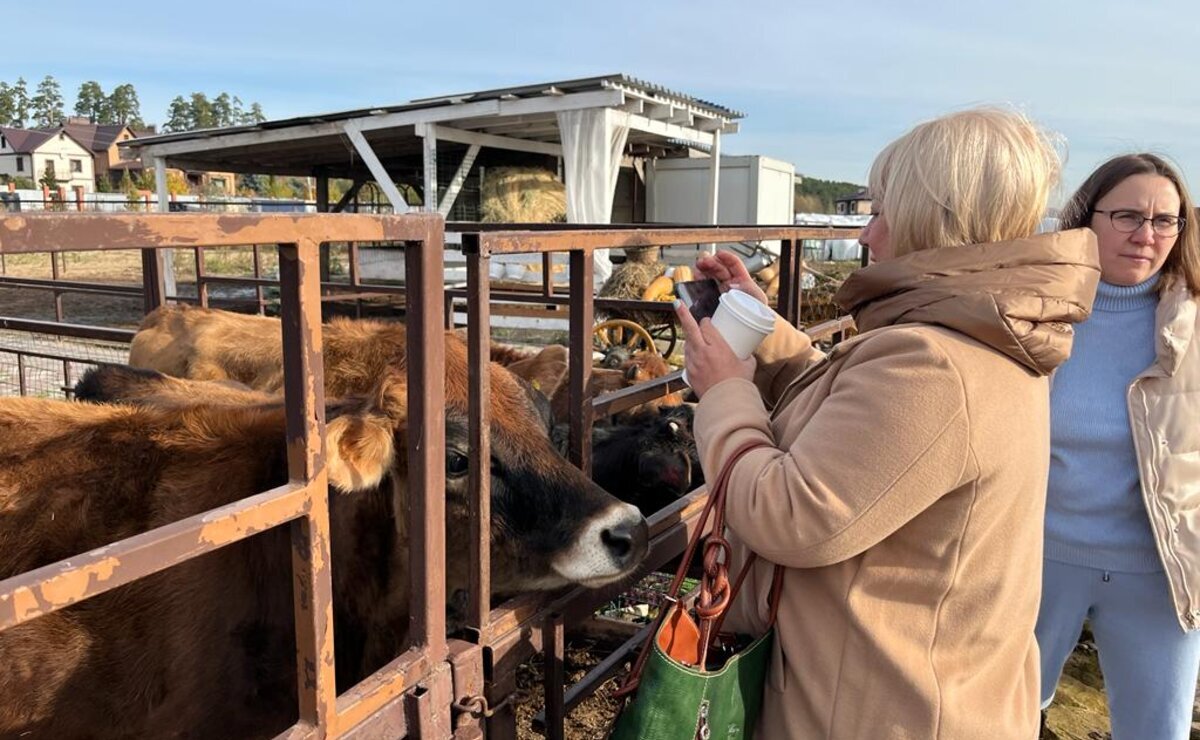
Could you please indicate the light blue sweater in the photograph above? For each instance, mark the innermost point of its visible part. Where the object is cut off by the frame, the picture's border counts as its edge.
(1095, 515)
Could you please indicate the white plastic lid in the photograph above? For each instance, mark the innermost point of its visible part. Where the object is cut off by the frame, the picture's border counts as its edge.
(749, 310)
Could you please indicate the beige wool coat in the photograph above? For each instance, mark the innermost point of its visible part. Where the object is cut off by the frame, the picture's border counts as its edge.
(902, 483)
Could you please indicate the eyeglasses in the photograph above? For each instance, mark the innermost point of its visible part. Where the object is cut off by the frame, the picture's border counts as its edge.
(1128, 222)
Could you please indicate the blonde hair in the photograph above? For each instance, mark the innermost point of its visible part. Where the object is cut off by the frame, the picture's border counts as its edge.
(980, 175)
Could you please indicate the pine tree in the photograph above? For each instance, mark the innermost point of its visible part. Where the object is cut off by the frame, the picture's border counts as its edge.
(47, 105)
(90, 101)
(123, 107)
(20, 97)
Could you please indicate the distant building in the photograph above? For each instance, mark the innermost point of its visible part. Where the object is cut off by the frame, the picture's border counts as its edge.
(853, 205)
(102, 140)
(28, 153)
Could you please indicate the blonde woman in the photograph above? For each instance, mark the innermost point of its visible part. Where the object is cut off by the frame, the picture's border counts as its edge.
(901, 479)
(1122, 540)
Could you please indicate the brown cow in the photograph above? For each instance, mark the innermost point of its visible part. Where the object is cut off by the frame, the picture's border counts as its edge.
(206, 648)
(548, 372)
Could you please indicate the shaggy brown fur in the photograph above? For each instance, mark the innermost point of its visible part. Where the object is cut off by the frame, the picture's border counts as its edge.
(206, 649)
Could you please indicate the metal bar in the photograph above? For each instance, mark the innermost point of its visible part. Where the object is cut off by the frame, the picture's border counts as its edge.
(304, 403)
(380, 689)
(256, 252)
(554, 675)
(21, 374)
(615, 402)
(81, 232)
(547, 274)
(59, 585)
(55, 276)
(66, 378)
(352, 258)
(787, 276)
(466, 674)
(579, 445)
(201, 279)
(480, 389)
(49, 356)
(605, 238)
(67, 330)
(154, 287)
(68, 286)
(597, 676)
(425, 351)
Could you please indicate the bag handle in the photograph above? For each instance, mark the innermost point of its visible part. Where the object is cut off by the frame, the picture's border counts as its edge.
(715, 593)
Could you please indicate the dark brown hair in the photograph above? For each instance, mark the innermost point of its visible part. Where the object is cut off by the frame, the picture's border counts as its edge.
(1183, 263)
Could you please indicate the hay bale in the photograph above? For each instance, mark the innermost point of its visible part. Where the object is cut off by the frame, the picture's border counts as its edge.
(628, 281)
(522, 195)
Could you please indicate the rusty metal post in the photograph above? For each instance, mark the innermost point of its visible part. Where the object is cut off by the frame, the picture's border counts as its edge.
(304, 399)
(21, 374)
(201, 278)
(548, 273)
(424, 277)
(154, 287)
(480, 392)
(554, 676)
(258, 290)
(56, 275)
(789, 277)
(428, 705)
(352, 259)
(466, 672)
(579, 448)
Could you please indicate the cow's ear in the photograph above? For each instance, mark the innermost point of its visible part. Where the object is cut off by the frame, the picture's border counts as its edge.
(361, 450)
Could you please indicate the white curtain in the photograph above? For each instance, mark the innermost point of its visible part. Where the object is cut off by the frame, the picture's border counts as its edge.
(593, 142)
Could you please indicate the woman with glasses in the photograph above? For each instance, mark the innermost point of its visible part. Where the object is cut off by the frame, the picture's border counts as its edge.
(1122, 546)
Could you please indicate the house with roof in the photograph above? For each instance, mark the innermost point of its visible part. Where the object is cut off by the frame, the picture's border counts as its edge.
(101, 140)
(856, 204)
(29, 153)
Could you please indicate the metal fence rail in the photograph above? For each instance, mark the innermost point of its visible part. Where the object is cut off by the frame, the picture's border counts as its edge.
(303, 502)
(515, 630)
(429, 690)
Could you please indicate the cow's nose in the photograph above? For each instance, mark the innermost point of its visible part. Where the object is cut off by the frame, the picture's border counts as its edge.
(626, 541)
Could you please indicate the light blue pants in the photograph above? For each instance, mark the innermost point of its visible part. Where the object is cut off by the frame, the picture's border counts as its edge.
(1149, 663)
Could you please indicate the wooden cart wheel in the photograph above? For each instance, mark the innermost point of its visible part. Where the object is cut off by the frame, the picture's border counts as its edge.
(666, 333)
(622, 333)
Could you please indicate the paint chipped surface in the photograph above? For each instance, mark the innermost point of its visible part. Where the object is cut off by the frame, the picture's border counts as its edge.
(25, 604)
(73, 585)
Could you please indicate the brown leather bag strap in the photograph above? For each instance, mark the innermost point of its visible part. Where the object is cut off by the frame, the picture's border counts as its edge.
(716, 502)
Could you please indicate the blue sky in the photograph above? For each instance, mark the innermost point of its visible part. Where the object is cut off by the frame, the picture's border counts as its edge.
(824, 85)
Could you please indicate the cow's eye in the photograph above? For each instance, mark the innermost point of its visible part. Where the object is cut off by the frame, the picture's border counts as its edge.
(674, 426)
(456, 464)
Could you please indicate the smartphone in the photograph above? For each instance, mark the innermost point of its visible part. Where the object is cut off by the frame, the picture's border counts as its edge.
(700, 296)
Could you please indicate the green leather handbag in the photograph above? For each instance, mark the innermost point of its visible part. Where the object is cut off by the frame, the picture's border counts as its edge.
(691, 680)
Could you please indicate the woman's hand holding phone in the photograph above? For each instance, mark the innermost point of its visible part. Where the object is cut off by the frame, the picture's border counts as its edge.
(730, 272)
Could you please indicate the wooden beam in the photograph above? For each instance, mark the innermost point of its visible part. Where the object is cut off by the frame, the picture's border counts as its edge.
(475, 138)
(714, 183)
(430, 158)
(457, 182)
(658, 111)
(670, 130)
(439, 114)
(382, 178)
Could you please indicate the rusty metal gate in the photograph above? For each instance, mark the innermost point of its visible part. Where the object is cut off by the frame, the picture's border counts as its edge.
(438, 687)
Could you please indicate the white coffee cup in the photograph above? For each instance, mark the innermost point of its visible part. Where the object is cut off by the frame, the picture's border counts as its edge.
(743, 322)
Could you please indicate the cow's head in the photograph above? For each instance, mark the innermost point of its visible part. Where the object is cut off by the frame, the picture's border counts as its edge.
(551, 525)
(648, 458)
